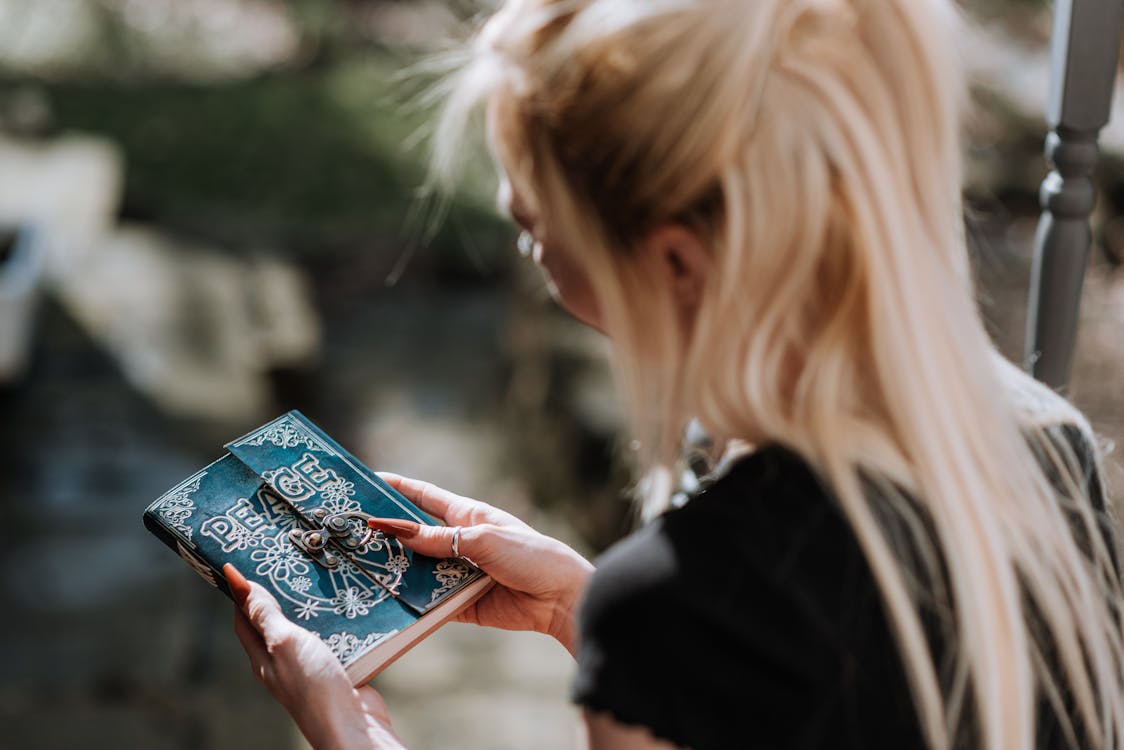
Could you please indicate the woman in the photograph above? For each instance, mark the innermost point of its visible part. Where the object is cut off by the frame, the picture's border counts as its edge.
(759, 203)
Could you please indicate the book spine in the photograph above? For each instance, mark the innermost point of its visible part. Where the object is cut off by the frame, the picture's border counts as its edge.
(206, 569)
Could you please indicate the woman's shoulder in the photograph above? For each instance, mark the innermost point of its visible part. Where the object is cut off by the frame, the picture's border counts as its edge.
(769, 521)
(757, 589)
(767, 524)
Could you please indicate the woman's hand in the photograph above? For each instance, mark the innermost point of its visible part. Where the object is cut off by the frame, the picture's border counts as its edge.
(538, 579)
(305, 677)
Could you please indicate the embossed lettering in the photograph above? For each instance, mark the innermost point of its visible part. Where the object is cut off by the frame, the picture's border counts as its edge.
(290, 485)
(245, 514)
(239, 527)
(313, 472)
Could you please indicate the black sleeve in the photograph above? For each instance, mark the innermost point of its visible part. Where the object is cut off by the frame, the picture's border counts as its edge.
(683, 659)
(626, 653)
(727, 617)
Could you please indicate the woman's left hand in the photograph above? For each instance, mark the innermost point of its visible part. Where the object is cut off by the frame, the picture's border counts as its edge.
(305, 677)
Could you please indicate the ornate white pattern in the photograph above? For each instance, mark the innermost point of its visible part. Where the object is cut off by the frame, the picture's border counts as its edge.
(449, 573)
(338, 491)
(245, 538)
(398, 564)
(286, 432)
(177, 506)
(334, 506)
(347, 646)
(352, 602)
(347, 567)
(279, 559)
(307, 610)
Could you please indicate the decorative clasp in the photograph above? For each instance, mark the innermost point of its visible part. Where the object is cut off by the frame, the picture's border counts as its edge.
(337, 527)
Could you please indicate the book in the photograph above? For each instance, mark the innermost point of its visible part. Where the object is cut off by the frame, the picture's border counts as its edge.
(289, 506)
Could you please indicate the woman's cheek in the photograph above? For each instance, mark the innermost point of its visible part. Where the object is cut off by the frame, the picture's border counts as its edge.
(575, 293)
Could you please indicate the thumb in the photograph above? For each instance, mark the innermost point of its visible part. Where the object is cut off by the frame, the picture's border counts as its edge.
(437, 541)
(261, 608)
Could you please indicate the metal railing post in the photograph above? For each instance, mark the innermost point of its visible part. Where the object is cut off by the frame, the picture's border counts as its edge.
(1084, 49)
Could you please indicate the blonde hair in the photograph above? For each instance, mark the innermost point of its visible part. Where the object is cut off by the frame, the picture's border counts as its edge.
(814, 145)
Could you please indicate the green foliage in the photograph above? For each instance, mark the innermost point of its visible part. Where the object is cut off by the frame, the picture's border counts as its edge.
(312, 160)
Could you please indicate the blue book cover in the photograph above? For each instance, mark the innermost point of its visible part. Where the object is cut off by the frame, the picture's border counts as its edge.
(289, 507)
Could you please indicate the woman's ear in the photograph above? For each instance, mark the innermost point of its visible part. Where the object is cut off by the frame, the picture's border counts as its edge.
(682, 260)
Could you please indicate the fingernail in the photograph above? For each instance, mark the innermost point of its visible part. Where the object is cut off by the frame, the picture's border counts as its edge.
(239, 586)
(394, 526)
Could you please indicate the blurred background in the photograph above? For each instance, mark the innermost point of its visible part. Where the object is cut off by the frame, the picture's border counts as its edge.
(209, 215)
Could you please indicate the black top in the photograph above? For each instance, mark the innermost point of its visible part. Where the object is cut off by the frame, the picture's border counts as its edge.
(749, 617)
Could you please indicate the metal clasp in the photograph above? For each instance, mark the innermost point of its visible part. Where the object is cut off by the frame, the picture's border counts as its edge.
(335, 527)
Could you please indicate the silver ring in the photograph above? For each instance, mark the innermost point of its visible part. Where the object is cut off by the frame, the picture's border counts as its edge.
(457, 547)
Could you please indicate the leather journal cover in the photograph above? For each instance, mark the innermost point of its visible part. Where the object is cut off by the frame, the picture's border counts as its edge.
(289, 507)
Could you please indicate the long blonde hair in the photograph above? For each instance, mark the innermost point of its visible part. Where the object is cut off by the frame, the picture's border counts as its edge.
(814, 145)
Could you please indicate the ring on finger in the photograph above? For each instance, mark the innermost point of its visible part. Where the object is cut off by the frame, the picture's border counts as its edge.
(456, 544)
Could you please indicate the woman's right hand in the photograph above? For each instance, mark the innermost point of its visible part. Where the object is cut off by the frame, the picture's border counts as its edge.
(539, 580)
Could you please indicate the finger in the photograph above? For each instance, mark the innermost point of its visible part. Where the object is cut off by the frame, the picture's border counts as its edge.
(265, 615)
(475, 542)
(448, 506)
(239, 586)
(429, 497)
(373, 703)
(251, 642)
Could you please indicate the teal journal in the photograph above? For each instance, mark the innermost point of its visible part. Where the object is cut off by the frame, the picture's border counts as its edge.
(289, 507)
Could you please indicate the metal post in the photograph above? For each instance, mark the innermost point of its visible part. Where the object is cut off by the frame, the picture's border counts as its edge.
(1084, 49)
